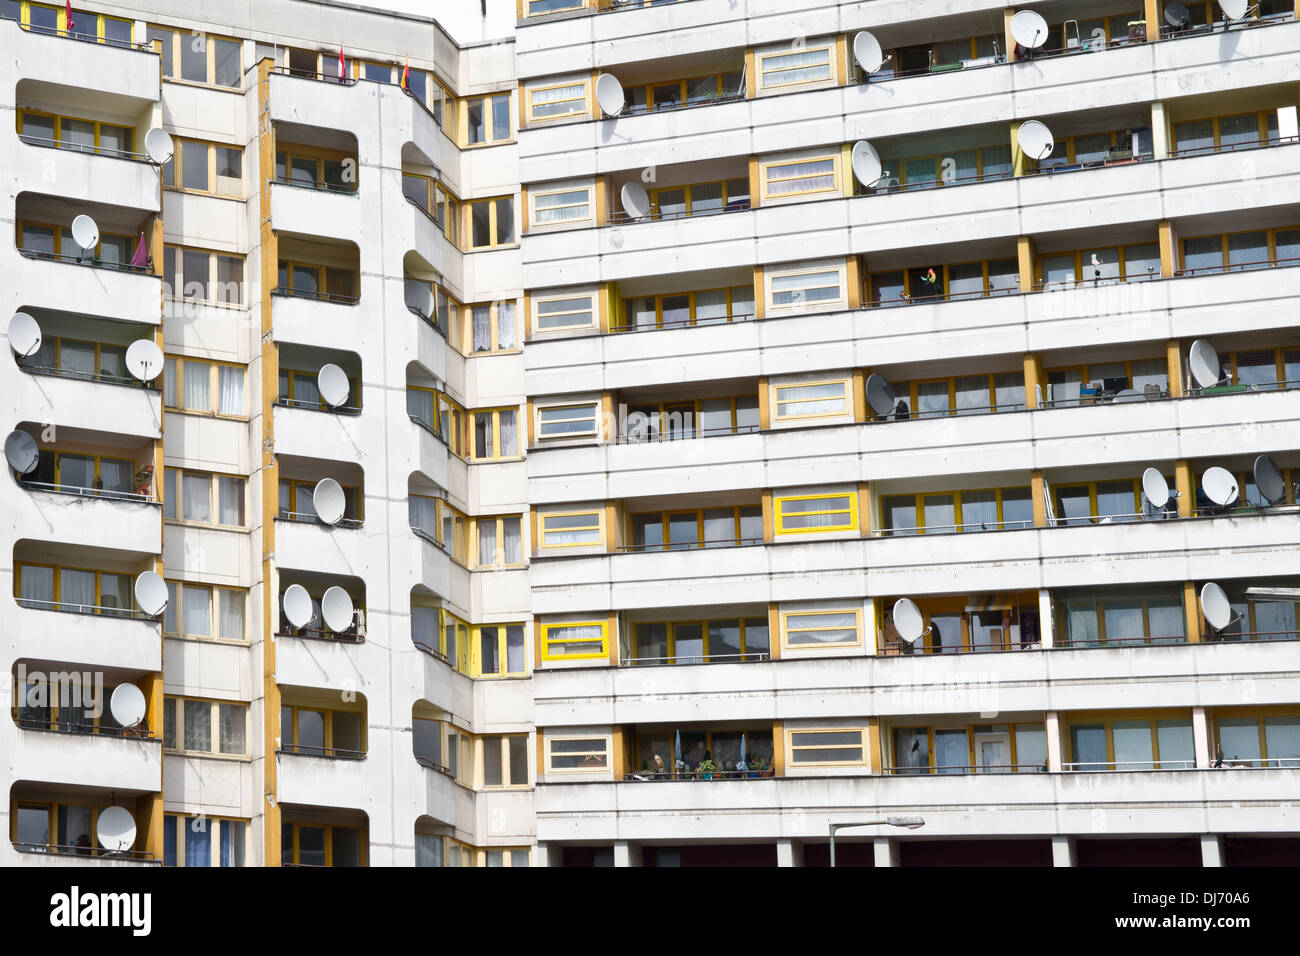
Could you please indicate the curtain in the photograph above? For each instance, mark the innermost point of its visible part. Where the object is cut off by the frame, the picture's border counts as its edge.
(169, 382)
(232, 615)
(196, 492)
(428, 850)
(197, 611)
(230, 389)
(1123, 621)
(77, 588)
(198, 725)
(515, 655)
(487, 541)
(198, 841)
(76, 357)
(1132, 741)
(424, 626)
(117, 475)
(169, 613)
(197, 385)
(509, 433)
(803, 177)
(420, 405)
(232, 843)
(234, 718)
(230, 492)
(423, 513)
(37, 583)
(511, 543)
(482, 318)
(505, 325)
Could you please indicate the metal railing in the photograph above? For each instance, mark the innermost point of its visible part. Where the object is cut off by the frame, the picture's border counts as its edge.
(71, 608)
(83, 728)
(435, 432)
(684, 434)
(345, 188)
(88, 492)
(620, 217)
(86, 849)
(1233, 147)
(91, 261)
(1168, 32)
(904, 299)
(145, 46)
(1066, 644)
(321, 77)
(695, 776)
(1254, 763)
(333, 753)
(1221, 637)
(617, 6)
(683, 323)
(1086, 766)
(702, 544)
(1228, 388)
(432, 651)
(1254, 265)
(318, 296)
(352, 635)
(79, 375)
(304, 517)
(433, 765)
(941, 770)
(1103, 397)
(318, 406)
(903, 415)
(968, 527)
(1060, 285)
(690, 103)
(919, 648)
(750, 657)
(432, 322)
(890, 183)
(48, 142)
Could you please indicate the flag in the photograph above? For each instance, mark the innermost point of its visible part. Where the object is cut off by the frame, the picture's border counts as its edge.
(342, 65)
(406, 73)
(141, 257)
(71, 22)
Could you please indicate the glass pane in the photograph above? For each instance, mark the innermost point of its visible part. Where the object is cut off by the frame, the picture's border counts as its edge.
(1088, 747)
(979, 511)
(226, 62)
(719, 528)
(688, 642)
(651, 641)
(683, 531)
(194, 58)
(1282, 741)
(911, 750)
(1174, 738)
(1132, 740)
(198, 726)
(900, 515)
(932, 399)
(492, 762)
(951, 751)
(1239, 740)
(940, 514)
(1248, 250)
(1031, 748)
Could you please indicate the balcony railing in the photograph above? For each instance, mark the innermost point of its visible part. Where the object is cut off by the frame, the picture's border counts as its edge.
(430, 649)
(74, 34)
(958, 769)
(347, 189)
(28, 366)
(1236, 637)
(48, 142)
(84, 728)
(333, 753)
(1253, 265)
(684, 433)
(1254, 763)
(319, 77)
(91, 261)
(304, 517)
(902, 649)
(620, 217)
(143, 498)
(318, 296)
(1233, 147)
(283, 402)
(1085, 766)
(698, 545)
(433, 765)
(1069, 644)
(751, 657)
(72, 608)
(968, 527)
(356, 634)
(684, 323)
(428, 536)
(688, 776)
(86, 849)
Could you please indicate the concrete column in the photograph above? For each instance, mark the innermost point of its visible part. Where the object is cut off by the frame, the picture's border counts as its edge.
(627, 854)
(887, 852)
(871, 639)
(1211, 849)
(1201, 738)
(1159, 131)
(1063, 852)
(545, 854)
(1046, 622)
(789, 852)
(1054, 760)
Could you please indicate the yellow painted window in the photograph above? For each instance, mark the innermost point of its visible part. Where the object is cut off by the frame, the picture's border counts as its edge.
(835, 628)
(201, 387)
(796, 514)
(812, 400)
(571, 530)
(205, 498)
(492, 222)
(556, 102)
(570, 312)
(803, 288)
(577, 754)
(828, 748)
(492, 328)
(800, 177)
(201, 611)
(498, 651)
(213, 727)
(581, 640)
(567, 421)
(200, 275)
(500, 543)
(795, 67)
(495, 434)
(561, 206)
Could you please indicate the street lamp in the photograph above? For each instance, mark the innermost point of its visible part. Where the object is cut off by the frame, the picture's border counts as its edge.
(906, 822)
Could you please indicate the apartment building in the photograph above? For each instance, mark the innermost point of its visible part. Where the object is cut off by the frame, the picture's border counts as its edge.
(649, 433)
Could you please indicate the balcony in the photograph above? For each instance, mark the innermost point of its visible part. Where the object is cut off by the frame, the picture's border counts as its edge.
(114, 761)
(316, 584)
(85, 174)
(125, 68)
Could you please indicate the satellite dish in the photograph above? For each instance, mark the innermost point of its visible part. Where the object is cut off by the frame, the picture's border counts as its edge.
(1268, 479)
(126, 704)
(609, 94)
(85, 233)
(1035, 138)
(115, 829)
(297, 605)
(333, 385)
(24, 335)
(880, 394)
(1155, 488)
(144, 359)
(1128, 395)
(151, 593)
(908, 620)
(1204, 362)
(336, 606)
(635, 201)
(867, 51)
(1215, 606)
(866, 163)
(327, 498)
(419, 296)
(158, 146)
(21, 452)
(1234, 9)
(1029, 29)
(1176, 14)
(1219, 486)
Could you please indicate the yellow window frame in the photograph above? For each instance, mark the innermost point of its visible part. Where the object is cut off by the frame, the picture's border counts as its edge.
(692, 297)
(290, 734)
(175, 169)
(214, 380)
(495, 241)
(59, 230)
(322, 278)
(763, 70)
(495, 453)
(495, 309)
(590, 312)
(850, 511)
(177, 601)
(177, 822)
(177, 476)
(534, 201)
(498, 523)
(98, 125)
(670, 630)
(1108, 719)
(176, 702)
(292, 375)
(1270, 236)
(176, 291)
(790, 621)
(329, 828)
(487, 102)
(502, 650)
(1093, 517)
(594, 408)
(549, 643)
(179, 36)
(604, 754)
(795, 749)
(1104, 601)
(782, 167)
(800, 293)
(580, 101)
(795, 403)
(596, 525)
(295, 485)
(918, 503)
(502, 741)
(56, 570)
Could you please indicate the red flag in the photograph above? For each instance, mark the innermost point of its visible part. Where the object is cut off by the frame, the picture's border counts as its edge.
(342, 67)
(71, 23)
(406, 73)
(141, 256)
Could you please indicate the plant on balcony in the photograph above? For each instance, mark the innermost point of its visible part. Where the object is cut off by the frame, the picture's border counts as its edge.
(758, 766)
(706, 769)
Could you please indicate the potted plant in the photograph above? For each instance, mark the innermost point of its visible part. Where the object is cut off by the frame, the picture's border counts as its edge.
(758, 766)
(706, 768)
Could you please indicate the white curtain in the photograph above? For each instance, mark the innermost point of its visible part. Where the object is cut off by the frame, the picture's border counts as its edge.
(482, 328)
(169, 382)
(197, 386)
(196, 493)
(420, 405)
(424, 625)
(1123, 621)
(802, 177)
(423, 513)
(509, 434)
(487, 541)
(515, 648)
(232, 615)
(230, 385)
(506, 325)
(77, 358)
(77, 587)
(37, 584)
(197, 611)
(511, 545)
(231, 503)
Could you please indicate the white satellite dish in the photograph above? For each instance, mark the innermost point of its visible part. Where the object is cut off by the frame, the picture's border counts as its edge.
(336, 606)
(1215, 606)
(332, 382)
(126, 704)
(297, 605)
(866, 163)
(908, 621)
(24, 335)
(1029, 29)
(1219, 486)
(1204, 363)
(880, 394)
(85, 233)
(419, 296)
(151, 593)
(1155, 488)
(609, 94)
(867, 51)
(635, 201)
(21, 452)
(1176, 15)
(115, 828)
(144, 360)
(1234, 9)
(158, 146)
(328, 501)
(1128, 395)
(1035, 138)
(1268, 479)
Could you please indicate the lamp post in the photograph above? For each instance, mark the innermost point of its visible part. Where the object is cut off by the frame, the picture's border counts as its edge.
(906, 822)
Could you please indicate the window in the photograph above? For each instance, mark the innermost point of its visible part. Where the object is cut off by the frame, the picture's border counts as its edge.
(800, 177)
(958, 281)
(444, 635)
(446, 525)
(48, 241)
(93, 26)
(71, 358)
(1226, 132)
(204, 388)
(662, 95)
(979, 748)
(538, 7)
(1130, 742)
(204, 841)
(487, 119)
(1270, 739)
(206, 727)
(792, 290)
(296, 504)
(577, 754)
(79, 590)
(839, 628)
(505, 761)
(499, 650)
(586, 640)
(492, 222)
(1104, 266)
(195, 503)
(1240, 251)
(1121, 617)
(828, 748)
(102, 473)
(812, 400)
(300, 389)
(699, 199)
(205, 168)
(1093, 149)
(203, 611)
(698, 418)
(313, 844)
(573, 312)
(1118, 500)
(90, 136)
(197, 274)
(303, 279)
(687, 308)
(1089, 384)
(322, 733)
(567, 421)
(439, 414)
(561, 207)
(492, 328)
(949, 168)
(700, 642)
(556, 102)
(795, 67)
(727, 527)
(571, 529)
(499, 541)
(206, 59)
(496, 434)
(964, 395)
(961, 511)
(816, 513)
(318, 168)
